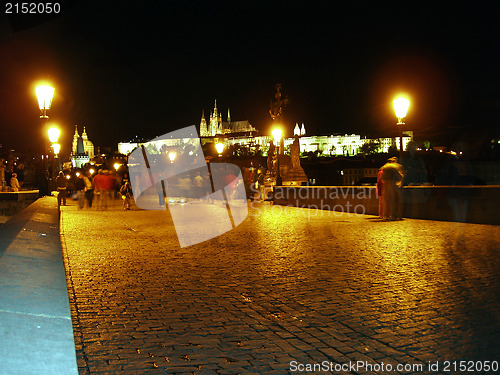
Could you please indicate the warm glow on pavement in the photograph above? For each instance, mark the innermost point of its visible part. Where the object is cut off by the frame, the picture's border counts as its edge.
(287, 284)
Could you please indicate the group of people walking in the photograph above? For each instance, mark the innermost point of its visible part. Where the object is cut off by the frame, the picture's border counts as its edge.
(102, 188)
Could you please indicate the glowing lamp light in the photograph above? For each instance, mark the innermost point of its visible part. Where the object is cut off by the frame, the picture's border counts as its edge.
(219, 147)
(172, 156)
(44, 94)
(57, 148)
(117, 166)
(277, 133)
(91, 171)
(401, 107)
(54, 134)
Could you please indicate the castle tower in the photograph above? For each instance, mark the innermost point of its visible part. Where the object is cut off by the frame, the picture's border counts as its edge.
(296, 130)
(228, 116)
(303, 130)
(75, 140)
(203, 125)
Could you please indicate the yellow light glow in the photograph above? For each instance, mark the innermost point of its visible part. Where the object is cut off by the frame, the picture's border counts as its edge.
(44, 94)
(77, 174)
(277, 133)
(401, 107)
(68, 177)
(91, 171)
(117, 166)
(57, 148)
(54, 134)
(172, 156)
(219, 147)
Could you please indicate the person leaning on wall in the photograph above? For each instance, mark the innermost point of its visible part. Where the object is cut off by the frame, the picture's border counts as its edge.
(392, 177)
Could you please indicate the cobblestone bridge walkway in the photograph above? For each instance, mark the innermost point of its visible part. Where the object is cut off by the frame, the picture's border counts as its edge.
(288, 291)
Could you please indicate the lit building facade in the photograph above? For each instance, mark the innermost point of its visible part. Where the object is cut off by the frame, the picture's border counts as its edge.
(327, 145)
(82, 150)
(242, 133)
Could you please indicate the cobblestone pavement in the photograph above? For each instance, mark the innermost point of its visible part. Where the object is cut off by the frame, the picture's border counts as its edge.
(286, 290)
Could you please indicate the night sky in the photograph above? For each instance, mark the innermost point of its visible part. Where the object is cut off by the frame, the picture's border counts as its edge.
(146, 68)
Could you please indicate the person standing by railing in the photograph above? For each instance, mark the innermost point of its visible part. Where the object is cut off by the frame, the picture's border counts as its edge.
(392, 177)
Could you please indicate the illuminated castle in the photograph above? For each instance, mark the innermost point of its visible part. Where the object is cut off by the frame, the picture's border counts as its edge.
(218, 127)
(242, 133)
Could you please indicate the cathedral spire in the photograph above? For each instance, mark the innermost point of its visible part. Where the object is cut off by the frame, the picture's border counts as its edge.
(203, 125)
(228, 116)
(296, 131)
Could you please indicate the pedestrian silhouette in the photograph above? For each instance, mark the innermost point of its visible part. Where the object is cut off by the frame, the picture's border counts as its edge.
(392, 177)
(62, 186)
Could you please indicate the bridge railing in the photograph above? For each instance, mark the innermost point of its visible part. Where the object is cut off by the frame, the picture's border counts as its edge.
(471, 204)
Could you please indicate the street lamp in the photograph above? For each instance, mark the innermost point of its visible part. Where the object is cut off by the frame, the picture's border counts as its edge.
(53, 134)
(56, 147)
(171, 156)
(44, 95)
(401, 108)
(277, 134)
(219, 147)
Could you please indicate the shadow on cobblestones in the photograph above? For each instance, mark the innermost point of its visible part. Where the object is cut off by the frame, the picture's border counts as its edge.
(296, 285)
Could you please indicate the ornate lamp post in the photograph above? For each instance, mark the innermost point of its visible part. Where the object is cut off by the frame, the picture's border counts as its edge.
(277, 134)
(56, 147)
(44, 95)
(401, 108)
(276, 109)
(53, 134)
